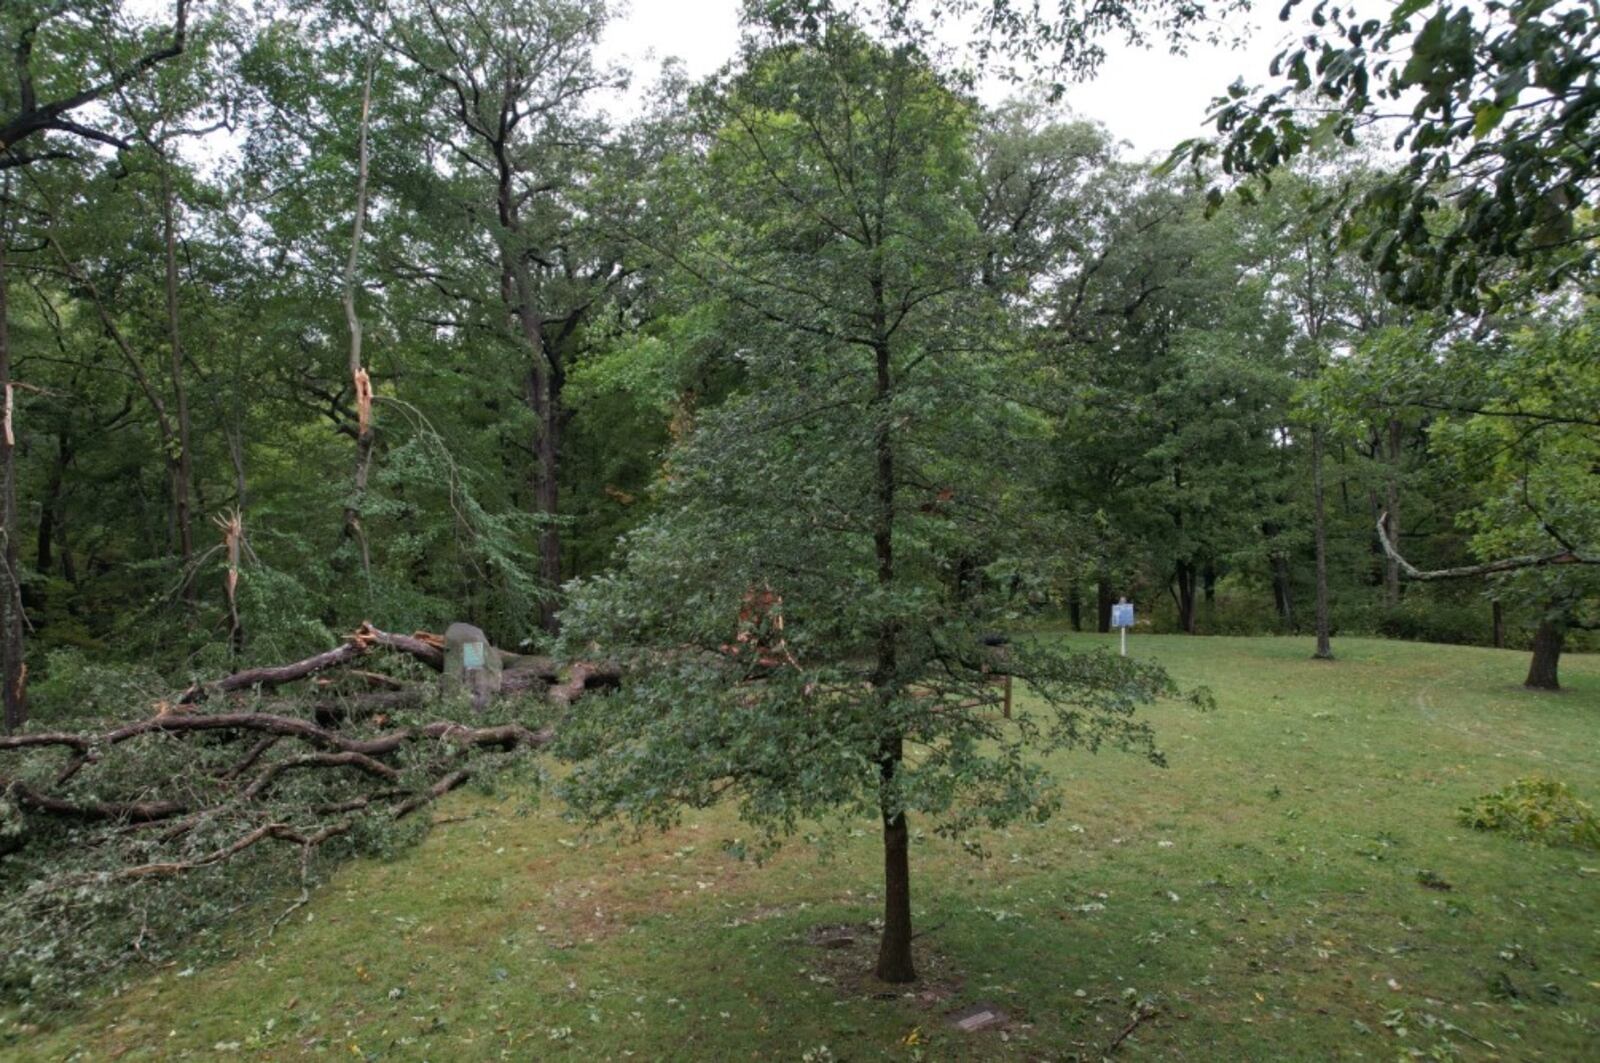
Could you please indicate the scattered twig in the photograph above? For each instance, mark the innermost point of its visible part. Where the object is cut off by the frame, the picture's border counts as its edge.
(1141, 1014)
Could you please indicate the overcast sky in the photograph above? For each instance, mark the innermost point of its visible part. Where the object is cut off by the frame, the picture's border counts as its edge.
(1147, 97)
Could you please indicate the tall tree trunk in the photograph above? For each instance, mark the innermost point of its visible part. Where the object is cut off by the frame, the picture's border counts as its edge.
(1497, 620)
(1184, 577)
(1075, 606)
(1324, 651)
(1102, 604)
(1283, 590)
(1548, 640)
(13, 642)
(547, 494)
(360, 382)
(1391, 489)
(894, 949)
(50, 508)
(1209, 578)
(542, 390)
(183, 461)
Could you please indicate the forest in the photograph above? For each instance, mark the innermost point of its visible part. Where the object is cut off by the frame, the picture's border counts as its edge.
(775, 410)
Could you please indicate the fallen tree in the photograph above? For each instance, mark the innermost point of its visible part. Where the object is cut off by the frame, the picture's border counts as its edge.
(121, 838)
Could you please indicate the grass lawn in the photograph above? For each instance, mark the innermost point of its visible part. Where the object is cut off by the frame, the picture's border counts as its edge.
(1262, 896)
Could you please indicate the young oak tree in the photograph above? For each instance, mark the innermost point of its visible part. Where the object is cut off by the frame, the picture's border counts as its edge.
(798, 620)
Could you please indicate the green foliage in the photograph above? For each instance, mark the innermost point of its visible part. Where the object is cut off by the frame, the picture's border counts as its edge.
(1536, 809)
(856, 506)
(76, 686)
(1498, 122)
(90, 896)
(495, 914)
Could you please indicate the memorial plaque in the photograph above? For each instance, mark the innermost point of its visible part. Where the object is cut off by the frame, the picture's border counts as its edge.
(470, 663)
(1122, 614)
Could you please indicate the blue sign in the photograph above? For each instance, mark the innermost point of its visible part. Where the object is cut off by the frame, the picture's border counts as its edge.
(1122, 615)
(472, 655)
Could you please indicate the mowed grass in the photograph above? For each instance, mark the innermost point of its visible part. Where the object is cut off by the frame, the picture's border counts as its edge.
(1261, 897)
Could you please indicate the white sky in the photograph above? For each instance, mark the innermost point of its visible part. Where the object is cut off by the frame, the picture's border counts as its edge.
(1147, 97)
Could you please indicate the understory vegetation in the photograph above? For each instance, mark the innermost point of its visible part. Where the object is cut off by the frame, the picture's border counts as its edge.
(1295, 884)
(403, 403)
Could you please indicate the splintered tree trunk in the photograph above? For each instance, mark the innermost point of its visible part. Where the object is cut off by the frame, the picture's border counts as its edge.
(360, 381)
(1548, 640)
(13, 672)
(1324, 651)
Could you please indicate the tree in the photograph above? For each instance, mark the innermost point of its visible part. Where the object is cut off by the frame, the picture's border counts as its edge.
(1513, 414)
(1173, 379)
(66, 57)
(508, 81)
(1494, 106)
(796, 624)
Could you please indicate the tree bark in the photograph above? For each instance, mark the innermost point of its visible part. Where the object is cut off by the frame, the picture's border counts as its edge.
(1548, 641)
(1075, 606)
(1391, 487)
(1283, 590)
(13, 640)
(182, 464)
(1184, 578)
(1497, 619)
(1102, 605)
(1324, 650)
(894, 949)
(50, 515)
(359, 380)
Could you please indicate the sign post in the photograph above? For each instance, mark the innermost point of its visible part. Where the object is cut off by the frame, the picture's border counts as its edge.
(1122, 619)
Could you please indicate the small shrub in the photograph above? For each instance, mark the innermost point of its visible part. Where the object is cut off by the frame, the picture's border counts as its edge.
(1535, 809)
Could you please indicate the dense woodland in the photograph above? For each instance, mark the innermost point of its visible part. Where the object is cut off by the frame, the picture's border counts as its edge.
(318, 313)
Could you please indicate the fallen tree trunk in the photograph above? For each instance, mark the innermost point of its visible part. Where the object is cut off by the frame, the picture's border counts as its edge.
(428, 649)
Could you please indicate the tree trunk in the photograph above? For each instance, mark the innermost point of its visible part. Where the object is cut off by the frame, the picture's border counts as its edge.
(50, 509)
(1102, 605)
(1497, 618)
(894, 949)
(352, 527)
(1075, 607)
(547, 493)
(13, 643)
(1548, 640)
(183, 462)
(1184, 578)
(1391, 487)
(1209, 577)
(1283, 590)
(1324, 651)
